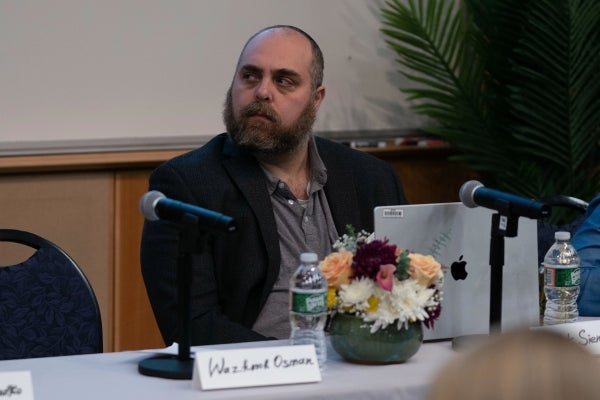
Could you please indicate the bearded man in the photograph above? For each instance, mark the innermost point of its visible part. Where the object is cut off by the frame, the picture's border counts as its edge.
(289, 192)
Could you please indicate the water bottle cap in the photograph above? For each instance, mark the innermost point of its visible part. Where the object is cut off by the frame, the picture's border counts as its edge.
(562, 235)
(309, 257)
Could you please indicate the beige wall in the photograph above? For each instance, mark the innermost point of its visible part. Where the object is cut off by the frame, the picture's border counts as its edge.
(121, 69)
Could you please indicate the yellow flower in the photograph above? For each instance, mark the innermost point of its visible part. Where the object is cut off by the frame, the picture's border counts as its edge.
(373, 304)
(331, 297)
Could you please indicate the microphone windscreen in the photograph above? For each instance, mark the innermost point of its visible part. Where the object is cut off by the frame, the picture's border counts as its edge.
(148, 204)
(466, 194)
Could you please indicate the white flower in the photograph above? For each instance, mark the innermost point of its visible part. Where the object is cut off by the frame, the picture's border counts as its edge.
(407, 302)
(351, 242)
(355, 296)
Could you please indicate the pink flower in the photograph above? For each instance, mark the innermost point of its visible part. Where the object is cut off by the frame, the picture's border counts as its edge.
(385, 276)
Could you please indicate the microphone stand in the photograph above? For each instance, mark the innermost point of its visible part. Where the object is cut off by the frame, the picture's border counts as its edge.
(191, 240)
(504, 224)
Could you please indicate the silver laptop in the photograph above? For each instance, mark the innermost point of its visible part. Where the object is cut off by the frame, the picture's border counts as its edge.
(459, 238)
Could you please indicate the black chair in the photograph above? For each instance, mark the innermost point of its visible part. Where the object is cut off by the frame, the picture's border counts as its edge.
(47, 306)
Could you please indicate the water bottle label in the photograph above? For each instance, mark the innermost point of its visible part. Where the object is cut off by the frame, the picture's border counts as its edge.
(309, 303)
(561, 277)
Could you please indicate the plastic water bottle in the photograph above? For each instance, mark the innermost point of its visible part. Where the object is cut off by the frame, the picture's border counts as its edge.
(561, 281)
(308, 306)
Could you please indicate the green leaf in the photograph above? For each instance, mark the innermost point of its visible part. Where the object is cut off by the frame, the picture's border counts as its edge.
(401, 271)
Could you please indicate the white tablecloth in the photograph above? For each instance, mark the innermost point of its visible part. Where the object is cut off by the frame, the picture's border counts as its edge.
(112, 376)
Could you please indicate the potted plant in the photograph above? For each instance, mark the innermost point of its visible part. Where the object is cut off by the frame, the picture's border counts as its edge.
(512, 85)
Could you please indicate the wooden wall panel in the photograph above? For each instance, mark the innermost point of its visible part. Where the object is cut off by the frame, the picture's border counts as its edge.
(426, 173)
(135, 326)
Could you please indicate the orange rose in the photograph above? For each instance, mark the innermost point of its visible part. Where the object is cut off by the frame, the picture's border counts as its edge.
(424, 269)
(337, 267)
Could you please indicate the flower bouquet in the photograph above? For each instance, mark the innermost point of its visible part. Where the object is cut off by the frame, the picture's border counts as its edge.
(384, 291)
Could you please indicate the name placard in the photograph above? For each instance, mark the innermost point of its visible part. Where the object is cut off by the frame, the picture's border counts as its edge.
(264, 366)
(585, 333)
(16, 385)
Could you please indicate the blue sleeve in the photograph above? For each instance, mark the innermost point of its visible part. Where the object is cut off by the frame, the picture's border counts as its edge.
(586, 241)
(588, 302)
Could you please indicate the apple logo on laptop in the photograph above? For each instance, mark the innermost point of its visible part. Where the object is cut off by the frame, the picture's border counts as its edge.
(458, 269)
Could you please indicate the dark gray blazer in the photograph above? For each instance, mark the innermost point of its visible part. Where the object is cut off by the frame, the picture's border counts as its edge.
(234, 274)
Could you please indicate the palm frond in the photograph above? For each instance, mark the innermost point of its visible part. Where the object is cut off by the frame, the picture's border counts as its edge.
(513, 84)
(555, 105)
(430, 38)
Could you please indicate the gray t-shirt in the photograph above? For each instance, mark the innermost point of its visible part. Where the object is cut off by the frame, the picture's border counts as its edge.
(303, 226)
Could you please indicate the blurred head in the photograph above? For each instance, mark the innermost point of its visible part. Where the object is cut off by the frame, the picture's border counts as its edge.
(276, 91)
(521, 365)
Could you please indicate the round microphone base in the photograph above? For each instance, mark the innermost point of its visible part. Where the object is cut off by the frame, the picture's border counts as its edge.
(167, 366)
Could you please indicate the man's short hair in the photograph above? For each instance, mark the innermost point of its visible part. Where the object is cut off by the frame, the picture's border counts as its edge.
(318, 63)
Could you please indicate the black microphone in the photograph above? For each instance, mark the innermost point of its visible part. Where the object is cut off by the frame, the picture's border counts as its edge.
(155, 205)
(473, 194)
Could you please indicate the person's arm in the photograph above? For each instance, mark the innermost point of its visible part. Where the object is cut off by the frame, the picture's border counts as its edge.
(159, 250)
(586, 241)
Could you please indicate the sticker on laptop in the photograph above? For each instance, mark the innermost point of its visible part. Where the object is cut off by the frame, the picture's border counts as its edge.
(392, 213)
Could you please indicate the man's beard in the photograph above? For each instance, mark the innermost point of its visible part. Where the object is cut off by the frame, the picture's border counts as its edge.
(267, 140)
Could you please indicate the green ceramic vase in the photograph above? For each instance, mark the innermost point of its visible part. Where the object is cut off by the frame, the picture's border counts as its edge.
(351, 338)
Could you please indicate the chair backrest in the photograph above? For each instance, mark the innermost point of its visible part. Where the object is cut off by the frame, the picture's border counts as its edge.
(47, 306)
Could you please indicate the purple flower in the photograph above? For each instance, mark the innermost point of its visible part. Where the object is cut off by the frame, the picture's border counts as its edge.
(433, 315)
(370, 256)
